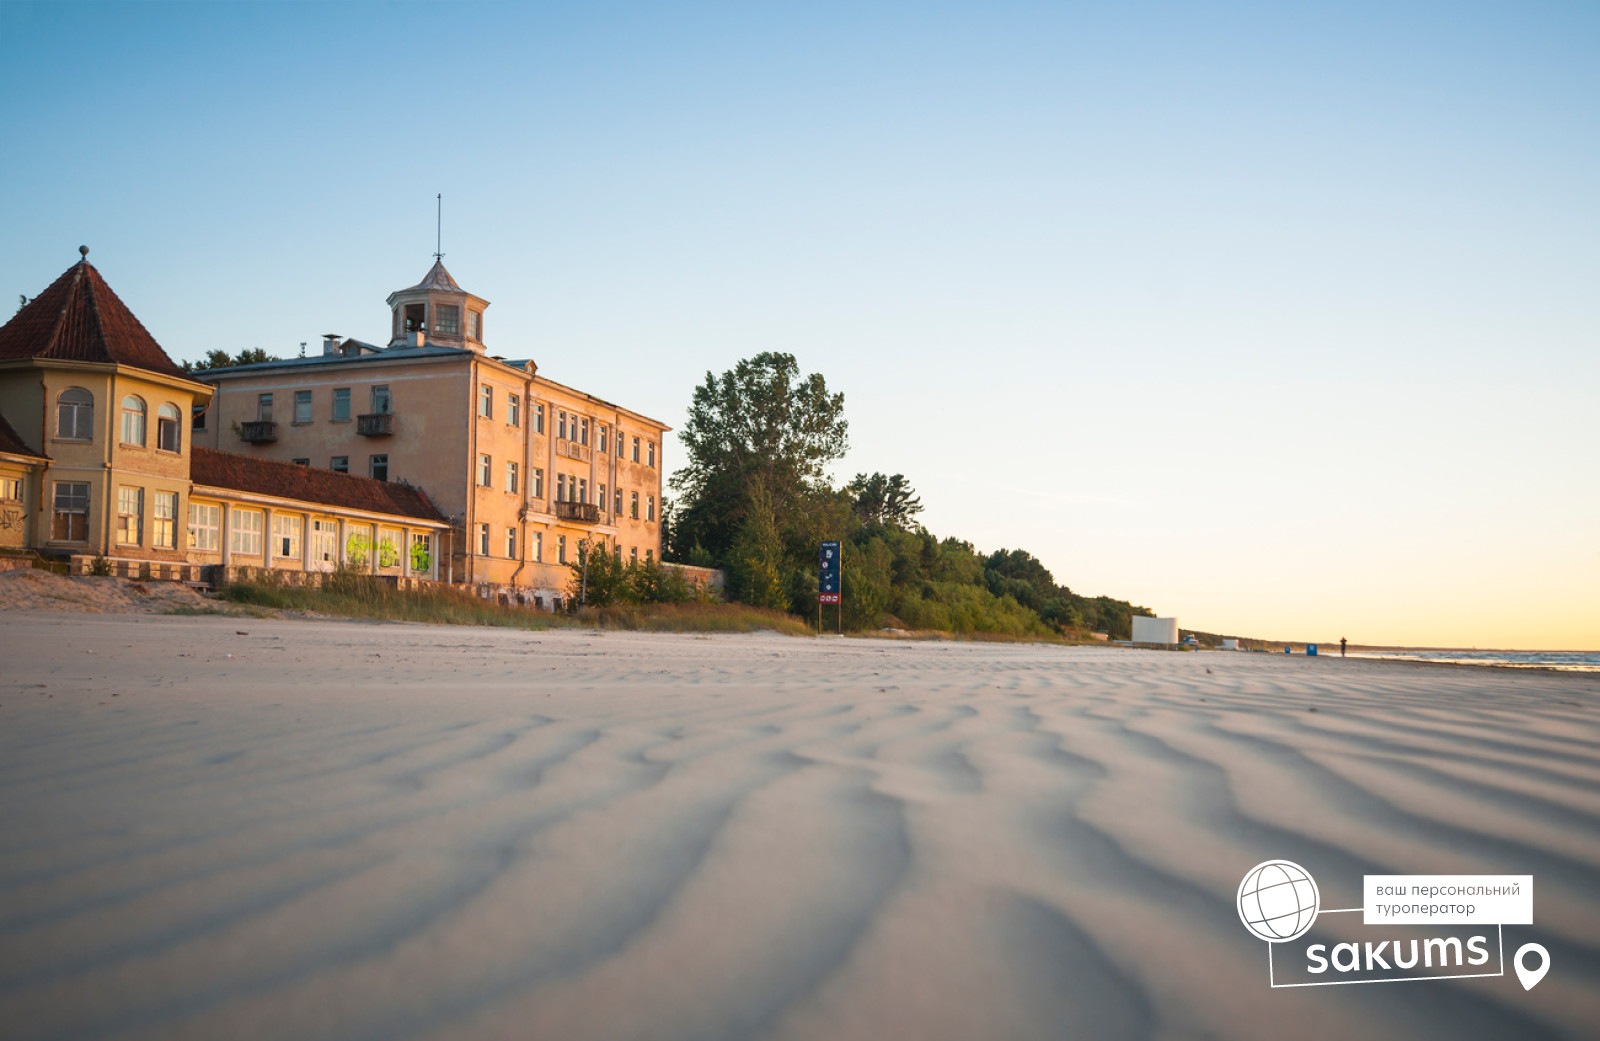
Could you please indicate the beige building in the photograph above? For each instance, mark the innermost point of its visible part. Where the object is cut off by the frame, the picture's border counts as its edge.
(21, 473)
(525, 467)
(115, 476)
(247, 514)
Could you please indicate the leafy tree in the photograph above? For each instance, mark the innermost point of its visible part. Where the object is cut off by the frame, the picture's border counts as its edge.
(885, 500)
(216, 359)
(754, 500)
(655, 583)
(756, 561)
(1021, 566)
(865, 587)
(601, 578)
(760, 421)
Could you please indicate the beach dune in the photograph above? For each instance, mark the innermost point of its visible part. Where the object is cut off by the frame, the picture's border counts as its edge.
(212, 827)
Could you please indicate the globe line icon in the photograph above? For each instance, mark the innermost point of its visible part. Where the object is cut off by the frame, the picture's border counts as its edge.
(1278, 900)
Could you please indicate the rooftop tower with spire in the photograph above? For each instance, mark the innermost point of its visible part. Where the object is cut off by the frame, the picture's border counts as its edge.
(437, 311)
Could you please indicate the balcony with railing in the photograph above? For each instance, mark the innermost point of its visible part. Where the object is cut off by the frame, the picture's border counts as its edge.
(586, 512)
(375, 424)
(258, 432)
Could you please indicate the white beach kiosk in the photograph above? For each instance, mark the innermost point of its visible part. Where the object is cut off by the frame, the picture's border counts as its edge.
(1155, 630)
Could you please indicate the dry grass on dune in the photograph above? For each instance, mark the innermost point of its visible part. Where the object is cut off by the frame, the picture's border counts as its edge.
(691, 618)
(347, 596)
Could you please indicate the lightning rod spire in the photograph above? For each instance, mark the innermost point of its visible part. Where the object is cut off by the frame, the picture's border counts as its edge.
(438, 229)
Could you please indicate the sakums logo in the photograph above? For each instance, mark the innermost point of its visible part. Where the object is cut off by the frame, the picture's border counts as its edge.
(1456, 923)
(1278, 901)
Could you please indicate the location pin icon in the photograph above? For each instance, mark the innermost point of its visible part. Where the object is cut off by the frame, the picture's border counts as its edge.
(1530, 977)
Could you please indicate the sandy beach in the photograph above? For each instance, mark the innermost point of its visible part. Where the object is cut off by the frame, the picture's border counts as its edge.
(242, 828)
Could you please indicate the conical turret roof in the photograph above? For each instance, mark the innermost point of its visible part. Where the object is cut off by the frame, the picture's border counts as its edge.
(79, 318)
(437, 278)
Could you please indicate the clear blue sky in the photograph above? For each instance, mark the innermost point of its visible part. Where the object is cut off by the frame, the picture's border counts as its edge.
(1281, 320)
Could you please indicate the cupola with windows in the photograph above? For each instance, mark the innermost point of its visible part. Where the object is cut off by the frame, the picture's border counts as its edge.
(437, 311)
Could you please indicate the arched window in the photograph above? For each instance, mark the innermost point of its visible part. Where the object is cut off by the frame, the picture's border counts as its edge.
(167, 419)
(133, 420)
(75, 414)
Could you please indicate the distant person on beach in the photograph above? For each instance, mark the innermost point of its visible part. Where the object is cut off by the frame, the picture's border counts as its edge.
(1342, 642)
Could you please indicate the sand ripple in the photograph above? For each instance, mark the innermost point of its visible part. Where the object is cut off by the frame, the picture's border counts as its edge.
(358, 831)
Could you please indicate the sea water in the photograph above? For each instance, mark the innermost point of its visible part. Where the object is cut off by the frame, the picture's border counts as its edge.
(1567, 661)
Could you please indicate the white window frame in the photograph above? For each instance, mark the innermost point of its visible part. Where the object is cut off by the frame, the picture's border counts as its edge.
(425, 540)
(132, 430)
(394, 540)
(360, 545)
(511, 476)
(169, 420)
(80, 412)
(244, 531)
(324, 543)
(164, 521)
(485, 471)
(130, 515)
(286, 535)
(205, 527)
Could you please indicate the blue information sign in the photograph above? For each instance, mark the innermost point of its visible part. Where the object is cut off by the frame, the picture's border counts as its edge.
(828, 573)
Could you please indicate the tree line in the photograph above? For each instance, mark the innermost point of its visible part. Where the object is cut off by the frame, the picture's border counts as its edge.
(216, 359)
(753, 499)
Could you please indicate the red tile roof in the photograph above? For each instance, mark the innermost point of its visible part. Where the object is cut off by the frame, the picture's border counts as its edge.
(11, 444)
(306, 484)
(79, 318)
